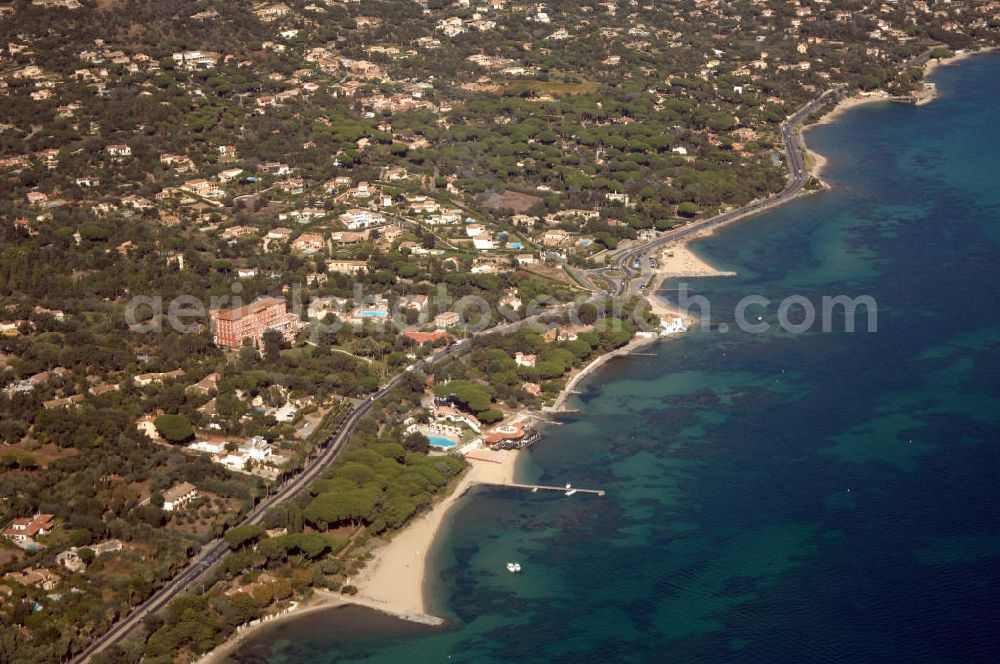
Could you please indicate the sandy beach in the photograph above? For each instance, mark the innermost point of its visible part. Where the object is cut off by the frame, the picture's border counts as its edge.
(815, 162)
(394, 579)
(847, 103)
(933, 64)
(559, 405)
(675, 260)
(678, 260)
(320, 601)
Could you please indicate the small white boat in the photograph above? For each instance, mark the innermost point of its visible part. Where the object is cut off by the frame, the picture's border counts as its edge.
(513, 568)
(571, 492)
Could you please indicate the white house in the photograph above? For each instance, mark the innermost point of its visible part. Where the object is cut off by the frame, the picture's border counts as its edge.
(23, 531)
(208, 447)
(178, 496)
(672, 325)
(448, 414)
(71, 560)
(236, 460)
(511, 300)
(192, 60)
(119, 150)
(523, 360)
(447, 319)
(319, 307)
(357, 219)
(484, 243)
(415, 302)
(257, 448)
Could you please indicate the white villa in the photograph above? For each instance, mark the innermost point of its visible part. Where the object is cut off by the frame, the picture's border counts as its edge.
(448, 414)
(357, 219)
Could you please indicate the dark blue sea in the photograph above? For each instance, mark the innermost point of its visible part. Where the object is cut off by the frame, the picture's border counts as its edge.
(773, 497)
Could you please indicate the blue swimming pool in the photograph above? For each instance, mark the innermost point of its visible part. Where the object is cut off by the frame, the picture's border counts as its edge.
(441, 441)
(373, 314)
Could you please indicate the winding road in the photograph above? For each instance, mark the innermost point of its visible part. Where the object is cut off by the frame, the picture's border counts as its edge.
(215, 550)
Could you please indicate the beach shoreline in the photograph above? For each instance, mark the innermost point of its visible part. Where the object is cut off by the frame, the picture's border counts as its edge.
(934, 63)
(817, 163)
(674, 261)
(396, 577)
(321, 600)
(395, 580)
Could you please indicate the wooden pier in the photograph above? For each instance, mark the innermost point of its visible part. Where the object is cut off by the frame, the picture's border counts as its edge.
(543, 487)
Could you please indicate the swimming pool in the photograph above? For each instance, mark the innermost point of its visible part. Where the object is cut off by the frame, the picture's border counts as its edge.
(373, 314)
(441, 441)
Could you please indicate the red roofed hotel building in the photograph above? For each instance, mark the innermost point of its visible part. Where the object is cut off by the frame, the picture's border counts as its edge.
(231, 326)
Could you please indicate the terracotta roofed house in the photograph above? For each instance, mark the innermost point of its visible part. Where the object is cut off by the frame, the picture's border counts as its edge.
(447, 319)
(523, 360)
(205, 385)
(308, 242)
(42, 578)
(232, 326)
(65, 402)
(179, 495)
(24, 530)
(425, 337)
(345, 266)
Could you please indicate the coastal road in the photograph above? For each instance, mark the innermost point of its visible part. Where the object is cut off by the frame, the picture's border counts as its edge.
(797, 178)
(215, 550)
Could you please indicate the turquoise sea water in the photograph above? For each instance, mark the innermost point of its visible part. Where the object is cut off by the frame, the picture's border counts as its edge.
(819, 497)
